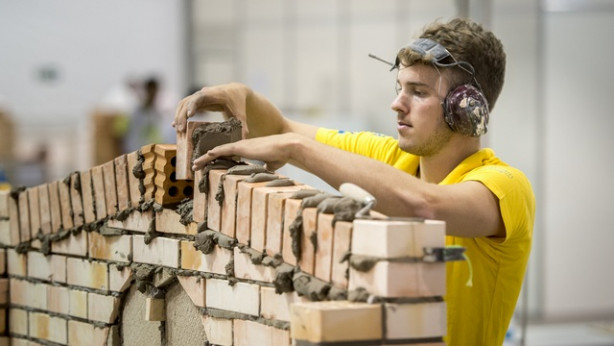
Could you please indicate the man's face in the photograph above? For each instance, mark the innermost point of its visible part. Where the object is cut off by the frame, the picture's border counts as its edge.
(422, 130)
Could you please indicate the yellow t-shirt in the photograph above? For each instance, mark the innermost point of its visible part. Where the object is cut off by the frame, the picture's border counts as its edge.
(480, 314)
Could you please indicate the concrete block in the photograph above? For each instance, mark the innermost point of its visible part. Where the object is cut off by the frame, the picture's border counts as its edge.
(43, 326)
(342, 239)
(214, 209)
(35, 214)
(121, 182)
(247, 333)
(110, 248)
(133, 181)
(54, 206)
(167, 221)
(245, 269)
(291, 210)
(419, 279)
(215, 262)
(90, 274)
(136, 222)
(415, 321)
(310, 224)
(119, 277)
(72, 245)
(393, 239)
(66, 205)
(16, 263)
(160, 251)
(218, 330)
(44, 208)
(102, 308)
(242, 297)
(24, 217)
(110, 188)
(275, 222)
(244, 211)
(229, 206)
(336, 321)
(87, 196)
(195, 287)
(48, 268)
(100, 200)
(18, 321)
(199, 209)
(58, 299)
(155, 309)
(324, 251)
(81, 333)
(275, 306)
(77, 303)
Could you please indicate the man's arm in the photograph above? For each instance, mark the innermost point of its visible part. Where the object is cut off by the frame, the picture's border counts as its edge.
(257, 114)
(469, 208)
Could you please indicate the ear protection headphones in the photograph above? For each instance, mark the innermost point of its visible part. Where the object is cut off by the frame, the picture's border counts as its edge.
(465, 108)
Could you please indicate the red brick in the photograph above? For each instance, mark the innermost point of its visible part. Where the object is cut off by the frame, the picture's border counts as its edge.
(99, 192)
(133, 182)
(148, 167)
(291, 209)
(65, 205)
(324, 251)
(342, 239)
(34, 206)
(54, 206)
(199, 210)
(214, 210)
(229, 207)
(310, 224)
(44, 208)
(87, 195)
(121, 182)
(244, 211)
(275, 222)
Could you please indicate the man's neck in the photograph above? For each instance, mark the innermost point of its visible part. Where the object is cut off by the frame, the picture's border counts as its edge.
(433, 169)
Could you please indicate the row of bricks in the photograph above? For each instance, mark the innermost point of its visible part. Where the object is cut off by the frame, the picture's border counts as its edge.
(47, 328)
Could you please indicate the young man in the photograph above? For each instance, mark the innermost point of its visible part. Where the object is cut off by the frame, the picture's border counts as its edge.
(436, 169)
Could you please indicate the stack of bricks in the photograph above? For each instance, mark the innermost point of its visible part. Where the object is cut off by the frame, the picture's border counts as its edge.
(94, 260)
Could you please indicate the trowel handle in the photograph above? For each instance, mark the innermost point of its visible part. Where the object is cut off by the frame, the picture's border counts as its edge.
(357, 193)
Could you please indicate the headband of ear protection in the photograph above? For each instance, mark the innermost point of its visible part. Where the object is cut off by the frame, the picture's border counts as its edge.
(465, 108)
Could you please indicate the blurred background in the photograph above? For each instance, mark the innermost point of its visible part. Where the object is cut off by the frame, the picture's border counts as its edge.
(75, 76)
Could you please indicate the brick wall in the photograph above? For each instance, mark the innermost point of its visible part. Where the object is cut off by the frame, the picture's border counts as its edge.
(126, 254)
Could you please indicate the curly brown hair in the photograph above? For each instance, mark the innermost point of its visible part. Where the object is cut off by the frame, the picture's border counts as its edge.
(467, 41)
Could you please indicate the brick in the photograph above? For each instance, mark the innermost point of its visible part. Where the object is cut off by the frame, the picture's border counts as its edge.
(119, 277)
(74, 244)
(16, 263)
(336, 321)
(275, 222)
(199, 210)
(185, 148)
(121, 182)
(160, 251)
(392, 239)
(54, 206)
(87, 195)
(34, 206)
(247, 333)
(155, 309)
(3, 325)
(195, 287)
(310, 224)
(77, 303)
(24, 216)
(58, 299)
(65, 205)
(76, 199)
(275, 306)
(4, 291)
(44, 208)
(136, 221)
(244, 211)
(148, 167)
(133, 181)
(4, 203)
(324, 250)
(48, 268)
(291, 209)
(169, 189)
(342, 238)
(242, 297)
(168, 221)
(102, 308)
(415, 321)
(218, 330)
(90, 274)
(14, 222)
(245, 269)
(260, 210)
(110, 188)
(215, 262)
(80, 333)
(111, 248)
(420, 279)
(18, 321)
(43, 326)
(214, 210)
(28, 294)
(100, 201)
(2, 261)
(229, 206)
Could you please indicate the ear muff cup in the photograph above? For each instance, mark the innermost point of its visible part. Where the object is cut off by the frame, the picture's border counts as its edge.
(465, 110)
